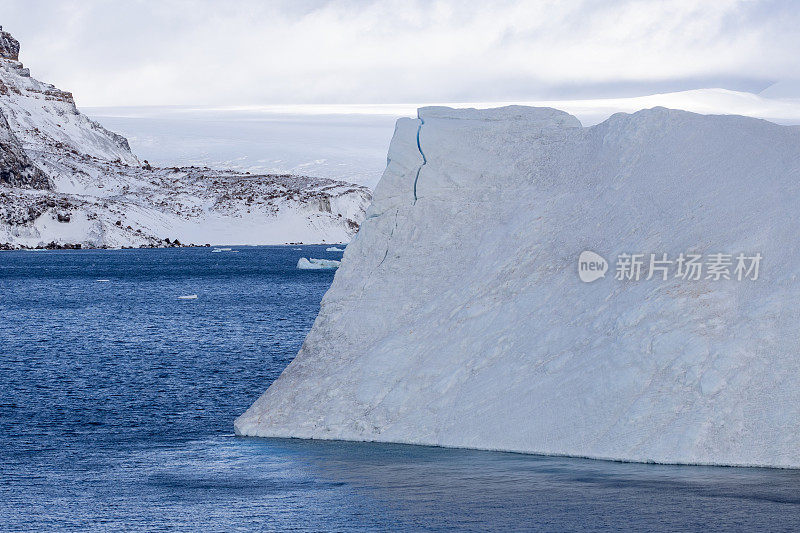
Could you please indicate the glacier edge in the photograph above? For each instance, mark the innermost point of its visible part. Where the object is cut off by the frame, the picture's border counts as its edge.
(474, 330)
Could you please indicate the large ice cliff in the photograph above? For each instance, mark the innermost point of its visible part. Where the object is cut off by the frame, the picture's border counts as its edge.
(457, 317)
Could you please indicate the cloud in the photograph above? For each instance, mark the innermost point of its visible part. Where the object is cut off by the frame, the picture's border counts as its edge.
(255, 52)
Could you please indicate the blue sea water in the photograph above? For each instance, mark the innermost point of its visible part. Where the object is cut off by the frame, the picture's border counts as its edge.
(117, 402)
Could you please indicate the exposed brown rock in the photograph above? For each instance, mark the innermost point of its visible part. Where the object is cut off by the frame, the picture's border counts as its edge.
(9, 47)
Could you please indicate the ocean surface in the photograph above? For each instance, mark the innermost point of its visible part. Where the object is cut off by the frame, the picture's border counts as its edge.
(117, 402)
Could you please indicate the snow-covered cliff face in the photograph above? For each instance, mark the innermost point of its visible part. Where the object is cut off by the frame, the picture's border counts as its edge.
(46, 120)
(65, 179)
(16, 168)
(458, 318)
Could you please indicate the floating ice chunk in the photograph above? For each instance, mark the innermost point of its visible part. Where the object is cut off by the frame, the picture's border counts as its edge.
(188, 297)
(334, 249)
(103, 280)
(221, 250)
(317, 264)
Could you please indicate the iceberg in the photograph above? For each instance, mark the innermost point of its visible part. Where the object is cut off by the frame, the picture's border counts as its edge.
(460, 319)
(334, 249)
(317, 264)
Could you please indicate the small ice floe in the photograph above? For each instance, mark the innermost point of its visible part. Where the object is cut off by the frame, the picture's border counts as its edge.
(188, 297)
(296, 248)
(317, 264)
(221, 250)
(334, 249)
(102, 280)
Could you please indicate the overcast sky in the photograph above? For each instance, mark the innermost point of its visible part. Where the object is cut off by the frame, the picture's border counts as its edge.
(129, 52)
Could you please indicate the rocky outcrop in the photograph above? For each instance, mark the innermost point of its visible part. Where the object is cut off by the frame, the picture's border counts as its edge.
(9, 47)
(16, 168)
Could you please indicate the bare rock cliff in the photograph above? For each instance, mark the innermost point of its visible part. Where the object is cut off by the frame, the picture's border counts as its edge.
(9, 47)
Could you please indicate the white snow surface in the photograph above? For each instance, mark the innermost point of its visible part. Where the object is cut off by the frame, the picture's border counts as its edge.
(457, 317)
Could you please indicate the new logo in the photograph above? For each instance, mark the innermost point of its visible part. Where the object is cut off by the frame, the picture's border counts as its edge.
(591, 266)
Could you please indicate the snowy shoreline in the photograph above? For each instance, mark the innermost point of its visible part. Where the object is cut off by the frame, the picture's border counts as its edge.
(6, 247)
(67, 180)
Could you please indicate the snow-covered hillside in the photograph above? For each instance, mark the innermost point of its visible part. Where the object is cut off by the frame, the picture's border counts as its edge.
(66, 180)
(458, 318)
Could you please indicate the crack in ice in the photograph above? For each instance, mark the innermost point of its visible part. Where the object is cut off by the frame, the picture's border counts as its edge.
(391, 234)
(424, 159)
